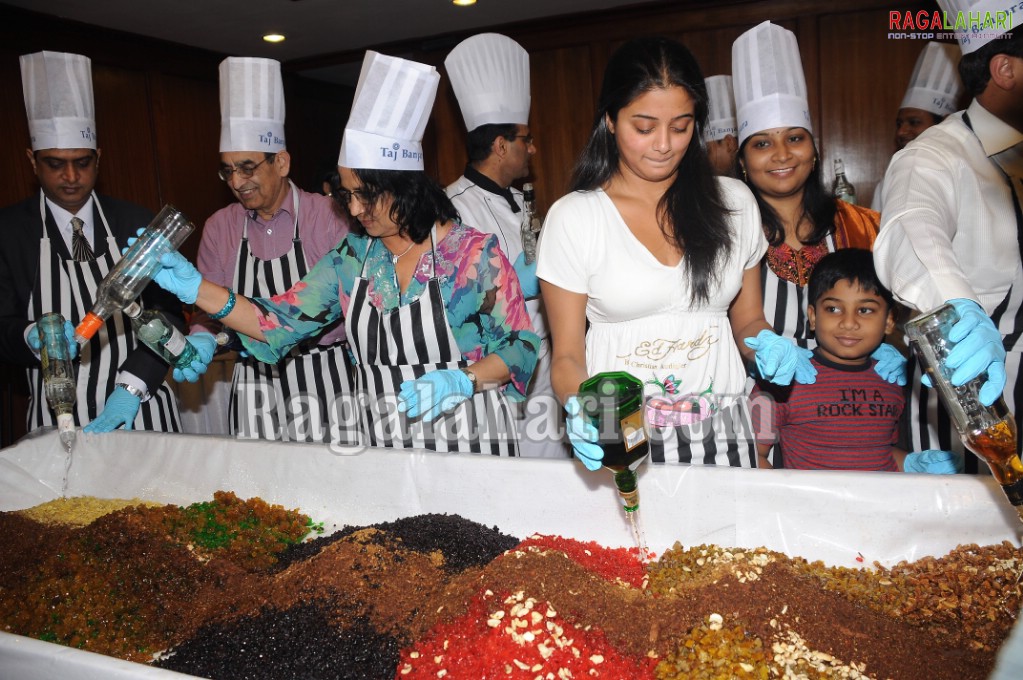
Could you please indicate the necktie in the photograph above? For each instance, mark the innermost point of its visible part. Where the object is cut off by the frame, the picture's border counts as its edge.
(80, 248)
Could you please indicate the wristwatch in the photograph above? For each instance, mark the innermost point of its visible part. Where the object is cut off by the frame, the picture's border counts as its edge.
(131, 389)
(472, 378)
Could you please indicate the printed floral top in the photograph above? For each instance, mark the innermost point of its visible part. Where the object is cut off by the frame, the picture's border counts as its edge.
(485, 306)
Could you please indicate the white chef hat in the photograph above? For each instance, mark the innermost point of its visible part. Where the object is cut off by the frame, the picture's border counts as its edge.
(935, 84)
(994, 19)
(58, 100)
(251, 105)
(768, 82)
(720, 107)
(490, 76)
(392, 105)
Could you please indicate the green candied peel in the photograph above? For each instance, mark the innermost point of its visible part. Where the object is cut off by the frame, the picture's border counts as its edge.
(228, 524)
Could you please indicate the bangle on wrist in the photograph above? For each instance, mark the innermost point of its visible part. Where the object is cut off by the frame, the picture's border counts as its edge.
(228, 306)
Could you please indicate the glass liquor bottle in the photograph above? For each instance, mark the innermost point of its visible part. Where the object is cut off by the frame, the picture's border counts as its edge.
(614, 403)
(135, 269)
(842, 187)
(161, 336)
(59, 384)
(988, 431)
(530, 223)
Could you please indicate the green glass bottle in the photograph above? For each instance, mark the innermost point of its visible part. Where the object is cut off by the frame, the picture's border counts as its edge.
(614, 403)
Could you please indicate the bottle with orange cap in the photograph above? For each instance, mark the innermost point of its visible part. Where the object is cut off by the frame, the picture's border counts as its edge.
(135, 270)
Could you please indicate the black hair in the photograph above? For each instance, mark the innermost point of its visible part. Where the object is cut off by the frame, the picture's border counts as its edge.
(417, 200)
(974, 68)
(330, 177)
(479, 142)
(854, 265)
(818, 202)
(692, 212)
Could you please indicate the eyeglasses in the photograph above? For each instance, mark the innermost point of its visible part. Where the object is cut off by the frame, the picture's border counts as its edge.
(245, 170)
(528, 139)
(364, 197)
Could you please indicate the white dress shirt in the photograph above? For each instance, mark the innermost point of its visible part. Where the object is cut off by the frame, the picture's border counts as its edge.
(948, 221)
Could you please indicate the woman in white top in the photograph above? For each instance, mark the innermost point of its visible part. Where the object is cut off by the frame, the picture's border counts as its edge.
(662, 259)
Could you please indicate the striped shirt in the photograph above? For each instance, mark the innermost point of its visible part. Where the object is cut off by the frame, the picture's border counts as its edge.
(847, 420)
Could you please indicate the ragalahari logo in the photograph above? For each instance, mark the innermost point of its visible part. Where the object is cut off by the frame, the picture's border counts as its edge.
(961, 26)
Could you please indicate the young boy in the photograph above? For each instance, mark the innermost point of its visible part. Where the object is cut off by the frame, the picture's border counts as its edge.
(848, 419)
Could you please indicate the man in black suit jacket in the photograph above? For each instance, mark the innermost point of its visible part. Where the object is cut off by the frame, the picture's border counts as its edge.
(118, 378)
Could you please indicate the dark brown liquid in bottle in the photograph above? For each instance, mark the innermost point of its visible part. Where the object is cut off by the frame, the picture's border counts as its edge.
(997, 446)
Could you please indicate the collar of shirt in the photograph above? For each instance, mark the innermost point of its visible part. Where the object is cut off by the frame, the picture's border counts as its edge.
(995, 135)
(487, 184)
(284, 210)
(63, 220)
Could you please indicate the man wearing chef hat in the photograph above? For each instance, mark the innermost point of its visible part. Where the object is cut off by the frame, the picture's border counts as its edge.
(933, 93)
(951, 225)
(719, 136)
(58, 246)
(490, 77)
(259, 247)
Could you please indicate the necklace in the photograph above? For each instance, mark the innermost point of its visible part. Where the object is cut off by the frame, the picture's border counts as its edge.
(395, 258)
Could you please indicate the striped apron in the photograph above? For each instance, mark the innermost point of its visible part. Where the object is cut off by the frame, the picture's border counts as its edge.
(785, 304)
(298, 398)
(69, 287)
(404, 344)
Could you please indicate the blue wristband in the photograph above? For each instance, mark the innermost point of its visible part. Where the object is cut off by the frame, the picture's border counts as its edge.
(228, 306)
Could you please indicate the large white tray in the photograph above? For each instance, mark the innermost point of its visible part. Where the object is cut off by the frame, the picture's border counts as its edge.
(830, 516)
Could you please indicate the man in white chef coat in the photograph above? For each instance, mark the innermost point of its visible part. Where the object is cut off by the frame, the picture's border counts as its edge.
(490, 77)
(951, 225)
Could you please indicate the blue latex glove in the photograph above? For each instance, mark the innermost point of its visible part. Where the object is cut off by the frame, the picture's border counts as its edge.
(978, 349)
(120, 409)
(178, 276)
(583, 435)
(779, 360)
(933, 461)
(435, 393)
(527, 276)
(205, 345)
(891, 364)
(36, 345)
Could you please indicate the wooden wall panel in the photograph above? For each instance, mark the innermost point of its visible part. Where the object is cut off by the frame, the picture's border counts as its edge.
(186, 133)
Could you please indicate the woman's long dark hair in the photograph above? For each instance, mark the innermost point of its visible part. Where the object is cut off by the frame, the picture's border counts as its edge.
(819, 204)
(692, 212)
(418, 201)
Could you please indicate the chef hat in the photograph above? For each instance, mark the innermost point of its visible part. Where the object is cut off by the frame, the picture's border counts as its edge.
(490, 76)
(721, 108)
(392, 105)
(768, 82)
(251, 105)
(58, 100)
(994, 18)
(935, 84)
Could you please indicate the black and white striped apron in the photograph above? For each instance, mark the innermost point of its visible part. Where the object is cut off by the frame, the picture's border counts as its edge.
(69, 287)
(405, 344)
(785, 304)
(295, 399)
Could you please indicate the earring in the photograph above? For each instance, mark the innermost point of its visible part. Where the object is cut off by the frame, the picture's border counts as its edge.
(745, 177)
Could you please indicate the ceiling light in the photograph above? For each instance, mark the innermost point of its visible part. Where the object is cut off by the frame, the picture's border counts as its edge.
(463, 3)
(273, 37)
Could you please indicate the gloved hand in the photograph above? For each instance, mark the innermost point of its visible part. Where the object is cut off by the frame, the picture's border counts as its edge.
(178, 276)
(933, 461)
(527, 276)
(120, 409)
(435, 393)
(978, 349)
(583, 435)
(36, 345)
(779, 359)
(891, 364)
(205, 345)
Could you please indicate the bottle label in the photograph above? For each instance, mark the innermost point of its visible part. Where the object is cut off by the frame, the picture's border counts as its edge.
(633, 433)
(176, 343)
(1014, 492)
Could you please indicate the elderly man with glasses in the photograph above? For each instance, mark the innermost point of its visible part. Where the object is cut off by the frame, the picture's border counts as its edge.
(260, 246)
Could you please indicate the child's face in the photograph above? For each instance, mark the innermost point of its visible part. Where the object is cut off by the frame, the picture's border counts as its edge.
(849, 322)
